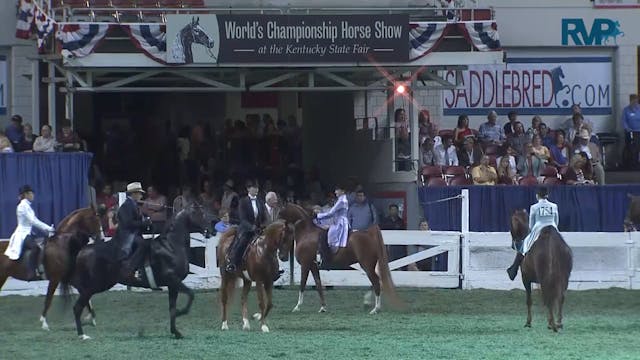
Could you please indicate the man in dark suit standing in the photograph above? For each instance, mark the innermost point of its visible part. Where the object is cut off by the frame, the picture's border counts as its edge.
(251, 217)
(130, 227)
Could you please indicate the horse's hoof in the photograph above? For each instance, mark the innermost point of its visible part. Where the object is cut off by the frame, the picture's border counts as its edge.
(528, 325)
(84, 337)
(323, 309)
(225, 326)
(257, 316)
(178, 335)
(245, 325)
(93, 322)
(264, 328)
(296, 309)
(373, 312)
(45, 326)
(559, 326)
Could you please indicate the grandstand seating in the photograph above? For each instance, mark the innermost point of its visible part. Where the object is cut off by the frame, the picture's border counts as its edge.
(528, 181)
(455, 171)
(460, 181)
(445, 133)
(430, 172)
(436, 181)
(552, 181)
(549, 171)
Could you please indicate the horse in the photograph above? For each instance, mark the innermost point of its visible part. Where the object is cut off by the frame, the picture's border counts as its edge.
(364, 247)
(633, 213)
(188, 35)
(261, 265)
(73, 233)
(167, 264)
(548, 263)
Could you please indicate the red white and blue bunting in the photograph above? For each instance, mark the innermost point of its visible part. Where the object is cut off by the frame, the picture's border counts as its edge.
(150, 38)
(25, 19)
(44, 26)
(424, 38)
(483, 35)
(79, 40)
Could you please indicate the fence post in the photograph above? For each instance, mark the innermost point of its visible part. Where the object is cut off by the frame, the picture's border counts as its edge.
(464, 237)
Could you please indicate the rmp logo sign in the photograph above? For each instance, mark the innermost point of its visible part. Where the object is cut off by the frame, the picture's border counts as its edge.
(601, 33)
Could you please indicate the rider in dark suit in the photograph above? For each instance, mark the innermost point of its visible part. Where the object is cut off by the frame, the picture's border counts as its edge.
(130, 227)
(251, 216)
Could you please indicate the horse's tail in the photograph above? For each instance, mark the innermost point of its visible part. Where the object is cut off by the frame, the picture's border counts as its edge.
(388, 286)
(555, 280)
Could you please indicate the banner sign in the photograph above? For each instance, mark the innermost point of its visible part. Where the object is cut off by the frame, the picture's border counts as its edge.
(536, 86)
(4, 85)
(220, 39)
(616, 4)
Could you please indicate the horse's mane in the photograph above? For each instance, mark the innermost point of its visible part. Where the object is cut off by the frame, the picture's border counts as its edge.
(271, 230)
(66, 221)
(300, 210)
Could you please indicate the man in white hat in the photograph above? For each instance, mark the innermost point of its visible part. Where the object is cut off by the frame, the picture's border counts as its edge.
(130, 225)
(593, 154)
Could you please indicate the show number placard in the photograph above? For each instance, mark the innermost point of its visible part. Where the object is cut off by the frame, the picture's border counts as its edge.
(287, 38)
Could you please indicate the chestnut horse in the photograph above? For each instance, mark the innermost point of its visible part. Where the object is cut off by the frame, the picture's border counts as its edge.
(260, 266)
(548, 263)
(364, 247)
(72, 234)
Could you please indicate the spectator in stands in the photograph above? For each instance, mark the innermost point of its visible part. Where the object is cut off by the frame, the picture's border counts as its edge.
(28, 138)
(592, 152)
(490, 132)
(45, 142)
(403, 145)
(208, 198)
(569, 123)
(510, 154)
(412, 249)
(547, 139)
(540, 150)
(107, 198)
(518, 138)
(484, 174)
(5, 144)
(69, 139)
(560, 150)
(462, 130)
(530, 164)
(506, 174)
(183, 200)
(510, 127)
(578, 174)
(223, 225)
(427, 127)
(447, 153)
(577, 126)
(535, 127)
(155, 208)
(471, 154)
(111, 224)
(272, 205)
(361, 214)
(428, 156)
(230, 199)
(14, 133)
(631, 125)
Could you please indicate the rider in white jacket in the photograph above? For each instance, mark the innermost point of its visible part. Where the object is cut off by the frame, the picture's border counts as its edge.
(27, 220)
(541, 214)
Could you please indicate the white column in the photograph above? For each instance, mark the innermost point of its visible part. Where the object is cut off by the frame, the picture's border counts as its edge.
(35, 96)
(464, 237)
(68, 100)
(51, 99)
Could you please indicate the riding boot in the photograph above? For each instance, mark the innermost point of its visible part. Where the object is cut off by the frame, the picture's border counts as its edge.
(513, 269)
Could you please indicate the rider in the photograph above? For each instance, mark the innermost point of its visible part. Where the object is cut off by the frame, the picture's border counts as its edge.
(251, 215)
(339, 229)
(541, 214)
(130, 225)
(24, 232)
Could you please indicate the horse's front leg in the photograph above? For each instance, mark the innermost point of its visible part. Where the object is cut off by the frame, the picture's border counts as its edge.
(173, 298)
(226, 291)
(53, 285)
(263, 306)
(304, 274)
(527, 287)
(182, 288)
(81, 303)
(316, 277)
(246, 286)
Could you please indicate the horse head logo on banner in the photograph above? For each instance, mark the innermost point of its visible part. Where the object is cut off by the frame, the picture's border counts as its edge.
(192, 33)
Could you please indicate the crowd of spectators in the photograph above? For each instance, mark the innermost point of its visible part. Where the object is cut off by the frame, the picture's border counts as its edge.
(19, 137)
(512, 153)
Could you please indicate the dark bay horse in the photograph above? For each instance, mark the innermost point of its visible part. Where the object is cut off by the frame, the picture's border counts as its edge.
(364, 247)
(72, 234)
(96, 269)
(633, 214)
(261, 265)
(548, 263)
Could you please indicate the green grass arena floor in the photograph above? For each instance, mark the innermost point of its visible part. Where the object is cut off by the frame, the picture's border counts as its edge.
(437, 324)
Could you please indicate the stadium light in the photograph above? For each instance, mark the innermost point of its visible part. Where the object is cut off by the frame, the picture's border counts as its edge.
(400, 89)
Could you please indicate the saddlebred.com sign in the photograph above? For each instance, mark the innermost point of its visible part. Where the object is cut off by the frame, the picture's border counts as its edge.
(212, 39)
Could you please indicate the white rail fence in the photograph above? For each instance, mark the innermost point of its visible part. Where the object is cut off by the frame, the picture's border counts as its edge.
(474, 260)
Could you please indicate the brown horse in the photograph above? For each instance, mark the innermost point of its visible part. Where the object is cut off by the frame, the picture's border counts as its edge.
(548, 263)
(364, 247)
(260, 266)
(633, 214)
(72, 234)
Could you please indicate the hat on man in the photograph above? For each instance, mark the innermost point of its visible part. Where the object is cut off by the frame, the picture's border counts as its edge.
(229, 184)
(584, 134)
(134, 187)
(25, 189)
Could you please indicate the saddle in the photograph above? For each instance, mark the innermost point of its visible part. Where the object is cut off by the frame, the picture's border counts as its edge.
(29, 246)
